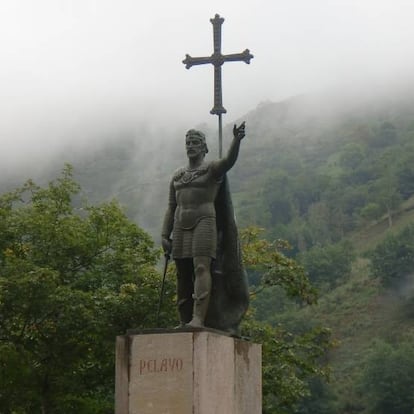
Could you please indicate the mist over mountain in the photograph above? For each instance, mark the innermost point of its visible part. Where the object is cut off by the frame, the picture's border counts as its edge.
(133, 160)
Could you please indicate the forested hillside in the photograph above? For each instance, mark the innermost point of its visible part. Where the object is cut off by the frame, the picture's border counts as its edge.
(337, 182)
(333, 175)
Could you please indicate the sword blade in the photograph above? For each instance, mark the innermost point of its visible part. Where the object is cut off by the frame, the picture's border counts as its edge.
(167, 258)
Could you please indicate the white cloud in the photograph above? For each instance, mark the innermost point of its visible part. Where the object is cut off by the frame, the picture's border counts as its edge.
(73, 64)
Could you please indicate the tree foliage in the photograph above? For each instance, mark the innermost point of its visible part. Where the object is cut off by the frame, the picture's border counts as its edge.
(71, 279)
(387, 380)
(73, 276)
(290, 360)
(392, 261)
(275, 268)
(327, 265)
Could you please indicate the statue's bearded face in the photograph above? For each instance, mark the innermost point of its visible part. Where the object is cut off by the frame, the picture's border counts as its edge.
(194, 146)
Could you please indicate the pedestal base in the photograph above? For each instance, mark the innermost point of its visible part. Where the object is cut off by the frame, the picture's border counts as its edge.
(195, 372)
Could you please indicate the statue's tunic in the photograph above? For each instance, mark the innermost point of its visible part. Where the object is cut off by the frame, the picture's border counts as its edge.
(192, 196)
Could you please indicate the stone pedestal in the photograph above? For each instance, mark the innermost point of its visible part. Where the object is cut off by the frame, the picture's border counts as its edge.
(187, 372)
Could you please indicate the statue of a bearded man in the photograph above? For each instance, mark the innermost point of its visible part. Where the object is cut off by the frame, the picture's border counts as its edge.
(199, 231)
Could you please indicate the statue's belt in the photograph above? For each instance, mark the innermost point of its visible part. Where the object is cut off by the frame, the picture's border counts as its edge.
(190, 221)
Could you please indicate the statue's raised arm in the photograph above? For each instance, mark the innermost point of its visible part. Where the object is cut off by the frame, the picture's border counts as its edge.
(220, 167)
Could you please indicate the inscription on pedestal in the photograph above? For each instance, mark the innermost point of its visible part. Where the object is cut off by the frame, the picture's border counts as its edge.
(161, 377)
(150, 366)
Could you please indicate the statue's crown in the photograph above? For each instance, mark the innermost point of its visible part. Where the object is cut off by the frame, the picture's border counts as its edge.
(195, 133)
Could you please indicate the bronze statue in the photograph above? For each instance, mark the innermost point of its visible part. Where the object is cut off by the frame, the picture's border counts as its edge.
(211, 282)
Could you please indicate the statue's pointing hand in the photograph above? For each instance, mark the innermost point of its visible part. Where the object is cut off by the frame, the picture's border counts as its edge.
(239, 132)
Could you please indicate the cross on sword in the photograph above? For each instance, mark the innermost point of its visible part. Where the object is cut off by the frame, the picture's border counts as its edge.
(217, 59)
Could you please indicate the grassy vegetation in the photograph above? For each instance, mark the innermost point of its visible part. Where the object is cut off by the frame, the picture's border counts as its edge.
(366, 238)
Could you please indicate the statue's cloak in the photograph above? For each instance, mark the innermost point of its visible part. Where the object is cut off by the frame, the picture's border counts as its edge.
(230, 292)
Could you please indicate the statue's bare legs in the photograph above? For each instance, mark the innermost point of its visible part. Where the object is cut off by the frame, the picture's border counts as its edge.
(193, 290)
(202, 290)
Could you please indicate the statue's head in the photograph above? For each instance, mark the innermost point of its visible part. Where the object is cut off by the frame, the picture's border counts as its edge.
(195, 143)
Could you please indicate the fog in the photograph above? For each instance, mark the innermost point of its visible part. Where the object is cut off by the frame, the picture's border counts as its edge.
(74, 72)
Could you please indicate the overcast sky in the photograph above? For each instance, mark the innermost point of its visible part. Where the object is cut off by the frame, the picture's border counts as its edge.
(70, 65)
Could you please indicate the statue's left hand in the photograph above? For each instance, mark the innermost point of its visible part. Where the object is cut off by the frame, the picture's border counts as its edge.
(239, 132)
(166, 246)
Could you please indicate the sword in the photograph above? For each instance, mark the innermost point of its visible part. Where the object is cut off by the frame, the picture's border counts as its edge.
(167, 258)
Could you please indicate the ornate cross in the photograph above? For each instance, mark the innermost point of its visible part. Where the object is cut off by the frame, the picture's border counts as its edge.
(217, 60)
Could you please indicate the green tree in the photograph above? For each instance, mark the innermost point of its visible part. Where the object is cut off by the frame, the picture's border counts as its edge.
(289, 362)
(328, 264)
(387, 380)
(307, 188)
(393, 259)
(277, 198)
(71, 279)
(371, 211)
(321, 401)
(406, 180)
(318, 223)
(351, 155)
(387, 196)
(276, 268)
(385, 136)
(290, 359)
(405, 172)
